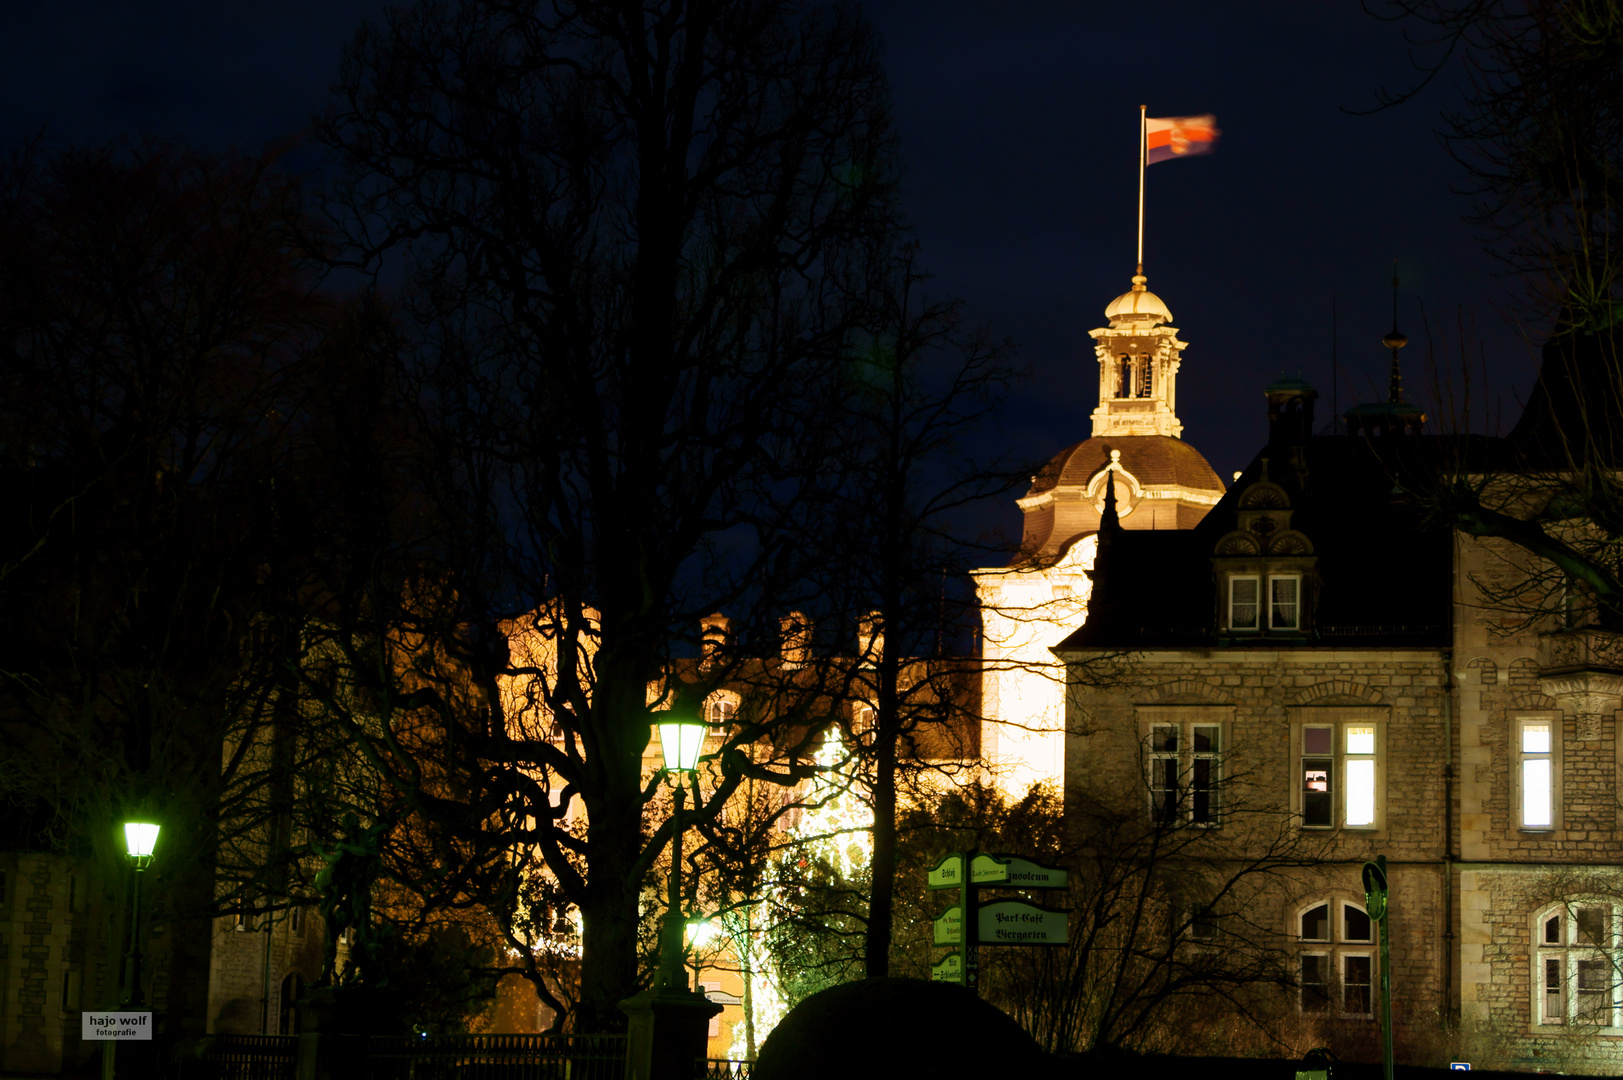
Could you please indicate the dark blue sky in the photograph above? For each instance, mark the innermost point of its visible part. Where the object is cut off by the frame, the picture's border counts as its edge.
(1019, 124)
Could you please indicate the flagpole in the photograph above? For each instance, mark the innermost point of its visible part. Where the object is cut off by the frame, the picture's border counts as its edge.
(1142, 124)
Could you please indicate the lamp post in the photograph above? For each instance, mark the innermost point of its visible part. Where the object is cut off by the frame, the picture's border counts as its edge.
(139, 840)
(680, 738)
(667, 1023)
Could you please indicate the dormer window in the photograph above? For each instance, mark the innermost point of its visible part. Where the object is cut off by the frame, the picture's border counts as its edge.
(1285, 608)
(1243, 597)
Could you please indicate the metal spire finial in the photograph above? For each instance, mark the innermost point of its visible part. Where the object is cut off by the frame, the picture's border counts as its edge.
(1395, 340)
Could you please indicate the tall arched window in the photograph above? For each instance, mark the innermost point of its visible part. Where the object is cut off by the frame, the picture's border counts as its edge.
(1577, 958)
(1337, 958)
(1124, 377)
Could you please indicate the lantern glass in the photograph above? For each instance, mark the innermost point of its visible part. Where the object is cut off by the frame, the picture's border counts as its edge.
(140, 839)
(681, 740)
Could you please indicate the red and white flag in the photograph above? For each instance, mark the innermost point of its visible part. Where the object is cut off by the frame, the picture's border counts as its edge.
(1179, 136)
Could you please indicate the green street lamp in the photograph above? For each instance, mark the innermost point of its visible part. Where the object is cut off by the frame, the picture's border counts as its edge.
(139, 840)
(681, 737)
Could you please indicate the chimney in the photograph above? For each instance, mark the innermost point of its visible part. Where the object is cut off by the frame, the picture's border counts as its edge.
(715, 631)
(870, 638)
(1290, 411)
(796, 631)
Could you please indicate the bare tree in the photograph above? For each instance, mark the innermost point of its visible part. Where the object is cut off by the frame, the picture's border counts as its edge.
(636, 238)
(158, 306)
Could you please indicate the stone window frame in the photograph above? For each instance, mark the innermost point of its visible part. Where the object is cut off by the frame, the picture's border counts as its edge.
(1186, 718)
(1340, 717)
(1336, 949)
(1568, 952)
(1554, 718)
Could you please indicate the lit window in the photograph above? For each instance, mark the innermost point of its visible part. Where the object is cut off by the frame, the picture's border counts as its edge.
(1537, 774)
(1318, 774)
(1284, 610)
(720, 710)
(1340, 785)
(1243, 603)
(1360, 775)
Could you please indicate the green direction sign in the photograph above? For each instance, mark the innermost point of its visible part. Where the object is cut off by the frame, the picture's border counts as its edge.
(949, 928)
(1017, 873)
(1016, 922)
(949, 874)
(951, 969)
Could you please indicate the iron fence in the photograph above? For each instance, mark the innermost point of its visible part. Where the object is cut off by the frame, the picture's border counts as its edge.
(497, 1057)
(723, 1069)
(241, 1057)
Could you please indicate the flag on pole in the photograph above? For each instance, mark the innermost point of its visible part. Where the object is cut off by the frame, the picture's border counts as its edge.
(1179, 136)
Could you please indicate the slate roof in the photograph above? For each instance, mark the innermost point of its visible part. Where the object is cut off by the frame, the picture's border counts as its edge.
(1385, 570)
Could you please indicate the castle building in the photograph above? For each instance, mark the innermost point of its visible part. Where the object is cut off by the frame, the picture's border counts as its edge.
(1160, 483)
(1320, 652)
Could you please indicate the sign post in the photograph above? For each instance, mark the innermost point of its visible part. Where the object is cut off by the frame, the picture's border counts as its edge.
(999, 922)
(1375, 900)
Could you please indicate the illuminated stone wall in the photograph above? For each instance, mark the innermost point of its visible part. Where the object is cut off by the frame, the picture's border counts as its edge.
(1024, 613)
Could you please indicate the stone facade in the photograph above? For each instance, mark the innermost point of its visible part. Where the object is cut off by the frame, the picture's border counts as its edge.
(1261, 700)
(250, 968)
(1506, 904)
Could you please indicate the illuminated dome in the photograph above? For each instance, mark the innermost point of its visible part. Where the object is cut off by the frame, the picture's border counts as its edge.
(1154, 459)
(1137, 304)
(1160, 483)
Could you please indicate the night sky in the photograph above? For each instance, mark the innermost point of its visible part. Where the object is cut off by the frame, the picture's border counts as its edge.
(1019, 125)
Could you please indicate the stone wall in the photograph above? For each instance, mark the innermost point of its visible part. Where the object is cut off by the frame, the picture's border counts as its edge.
(53, 959)
(246, 978)
(1263, 697)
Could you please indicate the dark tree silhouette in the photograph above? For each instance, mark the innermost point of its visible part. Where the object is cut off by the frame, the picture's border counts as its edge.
(638, 240)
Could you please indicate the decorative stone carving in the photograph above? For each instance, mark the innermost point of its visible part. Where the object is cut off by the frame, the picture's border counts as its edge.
(1264, 496)
(1583, 671)
(1239, 543)
(1290, 542)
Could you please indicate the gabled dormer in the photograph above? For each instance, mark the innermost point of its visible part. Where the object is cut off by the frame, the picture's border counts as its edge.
(1265, 571)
